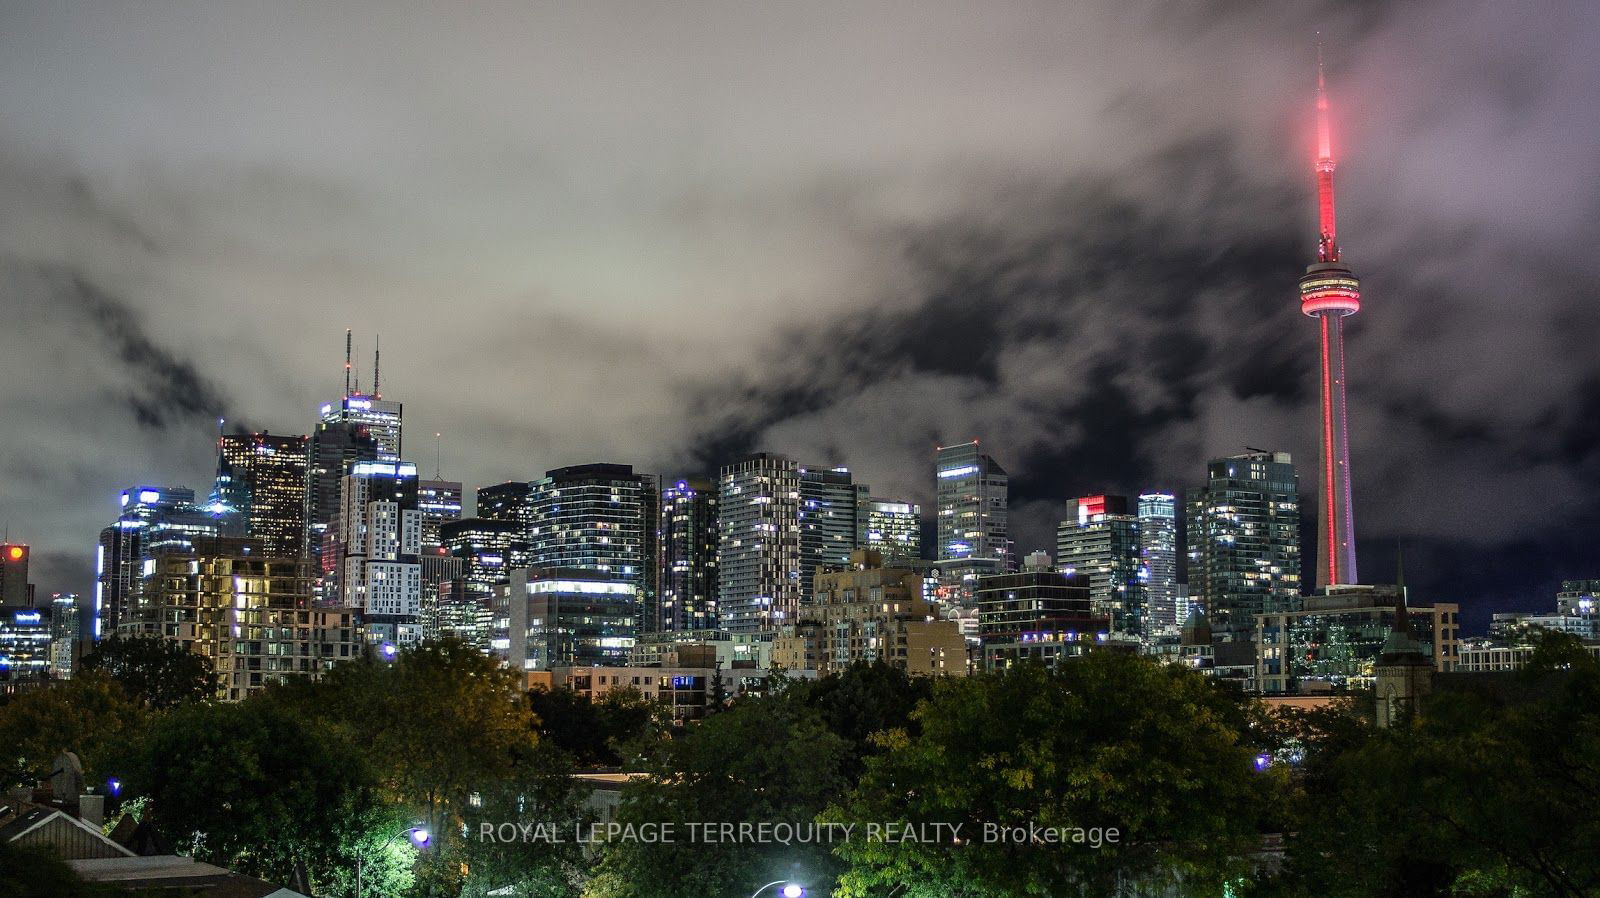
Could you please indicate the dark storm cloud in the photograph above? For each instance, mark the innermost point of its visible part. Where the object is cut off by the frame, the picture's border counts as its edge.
(159, 386)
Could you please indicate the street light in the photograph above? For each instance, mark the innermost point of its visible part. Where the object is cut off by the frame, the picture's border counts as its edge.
(419, 836)
(789, 890)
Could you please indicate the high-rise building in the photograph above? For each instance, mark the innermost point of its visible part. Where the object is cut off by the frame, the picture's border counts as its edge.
(873, 614)
(250, 614)
(1579, 598)
(1329, 292)
(830, 506)
(25, 647)
(440, 503)
(1244, 541)
(270, 472)
(1102, 541)
(507, 501)
(1335, 642)
(972, 495)
(155, 520)
(688, 558)
(1158, 557)
(758, 548)
(1036, 615)
(334, 448)
(15, 591)
(489, 549)
(598, 517)
(379, 539)
(892, 528)
(66, 634)
(561, 617)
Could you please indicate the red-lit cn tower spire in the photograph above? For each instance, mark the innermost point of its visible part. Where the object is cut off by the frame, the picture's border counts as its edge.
(1329, 292)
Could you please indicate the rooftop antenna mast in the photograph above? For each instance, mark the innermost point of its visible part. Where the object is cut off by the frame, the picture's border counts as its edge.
(347, 387)
(438, 456)
(376, 351)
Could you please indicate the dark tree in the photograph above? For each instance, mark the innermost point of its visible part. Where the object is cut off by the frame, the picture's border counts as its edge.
(159, 672)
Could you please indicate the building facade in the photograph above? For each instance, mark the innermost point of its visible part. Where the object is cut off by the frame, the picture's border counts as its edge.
(830, 525)
(154, 520)
(252, 616)
(1037, 615)
(868, 613)
(687, 541)
(334, 447)
(554, 617)
(972, 493)
(893, 529)
(758, 543)
(1158, 554)
(1103, 542)
(440, 503)
(271, 475)
(379, 540)
(599, 517)
(1334, 642)
(1244, 541)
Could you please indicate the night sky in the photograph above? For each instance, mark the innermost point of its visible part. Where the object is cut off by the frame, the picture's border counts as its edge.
(660, 234)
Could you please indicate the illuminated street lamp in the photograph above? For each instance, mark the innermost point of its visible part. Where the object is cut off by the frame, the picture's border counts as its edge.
(417, 834)
(789, 890)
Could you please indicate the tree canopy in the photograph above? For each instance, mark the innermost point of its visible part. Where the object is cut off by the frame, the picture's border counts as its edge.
(159, 672)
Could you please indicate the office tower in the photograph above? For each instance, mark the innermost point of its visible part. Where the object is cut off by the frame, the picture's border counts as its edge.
(561, 617)
(598, 517)
(507, 501)
(1244, 541)
(66, 634)
(489, 550)
(443, 574)
(440, 503)
(270, 474)
(758, 543)
(1336, 641)
(830, 504)
(250, 614)
(1158, 557)
(1102, 541)
(1036, 615)
(892, 528)
(687, 555)
(154, 521)
(24, 646)
(379, 539)
(14, 589)
(1329, 292)
(334, 448)
(868, 613)
(369, 411)
(971, 490)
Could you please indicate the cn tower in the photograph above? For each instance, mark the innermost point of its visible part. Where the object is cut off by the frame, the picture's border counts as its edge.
(1329, 292)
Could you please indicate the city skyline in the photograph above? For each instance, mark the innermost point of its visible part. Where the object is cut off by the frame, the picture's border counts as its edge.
(160, 287)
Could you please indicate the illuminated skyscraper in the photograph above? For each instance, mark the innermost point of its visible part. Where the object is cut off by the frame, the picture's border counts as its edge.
(688, 558)
(972, 494)
(758, 548)
(1329, 292)
(830, 504)
(154, 521)
(270, 473)
(599, 517)
(1244, 541)
(1158, 553)
(334, 448)
(1102, 542)
(14, 589)
(440, 503)
(379, 539)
